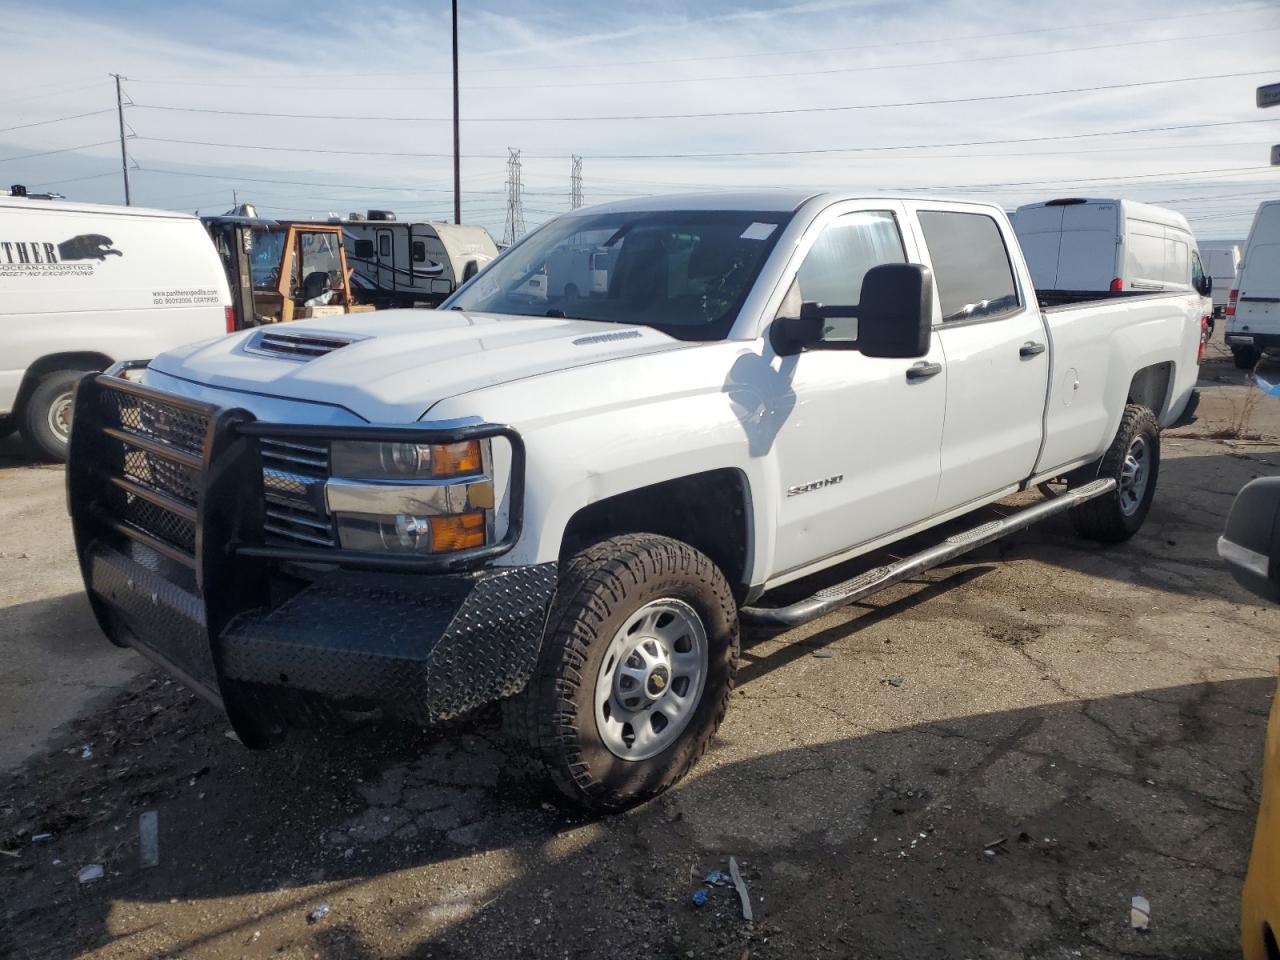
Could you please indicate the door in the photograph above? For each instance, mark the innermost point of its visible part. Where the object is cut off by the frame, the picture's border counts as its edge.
(386, 260)
(994, 344)
(857, 442)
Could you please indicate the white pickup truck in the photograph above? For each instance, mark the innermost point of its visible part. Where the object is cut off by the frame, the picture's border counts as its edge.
(568, 505)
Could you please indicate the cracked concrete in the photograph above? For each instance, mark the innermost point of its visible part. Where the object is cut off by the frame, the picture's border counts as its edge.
(1092, 717)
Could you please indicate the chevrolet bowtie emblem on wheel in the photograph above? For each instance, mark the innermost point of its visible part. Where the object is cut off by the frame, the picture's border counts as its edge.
(657, 681)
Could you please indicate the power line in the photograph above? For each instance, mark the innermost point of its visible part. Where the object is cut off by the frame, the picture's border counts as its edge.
(41, 123)
(743, 153)
(988, 98)
(52, 93)
(48, 153)
(93, 176)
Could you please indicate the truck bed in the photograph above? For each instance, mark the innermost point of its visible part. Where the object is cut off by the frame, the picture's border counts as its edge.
(1053, 299)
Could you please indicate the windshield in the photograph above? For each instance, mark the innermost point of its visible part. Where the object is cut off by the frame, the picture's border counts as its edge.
(268, 246)
(684, 272)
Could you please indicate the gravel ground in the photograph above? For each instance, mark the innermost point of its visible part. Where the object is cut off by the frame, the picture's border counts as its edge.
(988, 762)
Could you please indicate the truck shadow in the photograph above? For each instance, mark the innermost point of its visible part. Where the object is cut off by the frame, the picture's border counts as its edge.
(866, 843)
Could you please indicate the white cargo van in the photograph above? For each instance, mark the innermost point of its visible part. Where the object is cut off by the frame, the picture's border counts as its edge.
(1086, 244)
(84, 285)
(1222, 264)
(1253, 326)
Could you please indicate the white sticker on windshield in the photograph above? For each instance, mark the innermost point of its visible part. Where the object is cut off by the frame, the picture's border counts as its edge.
(758, 231)
(486, 288)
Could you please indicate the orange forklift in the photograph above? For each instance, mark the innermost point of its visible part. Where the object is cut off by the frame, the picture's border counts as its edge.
(283, 270)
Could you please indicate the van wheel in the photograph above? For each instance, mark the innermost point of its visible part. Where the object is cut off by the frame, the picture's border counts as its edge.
(1246, 358)
(637, 664)
(46, 416)
(1133, 460)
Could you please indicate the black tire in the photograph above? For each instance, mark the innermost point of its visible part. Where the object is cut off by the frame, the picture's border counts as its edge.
(600, 588)
(1246, 358)
(1115, 517)
(42, 410)
(7, 426)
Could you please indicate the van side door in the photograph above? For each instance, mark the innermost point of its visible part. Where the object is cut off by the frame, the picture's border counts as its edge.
(856, 439)
(996, 351)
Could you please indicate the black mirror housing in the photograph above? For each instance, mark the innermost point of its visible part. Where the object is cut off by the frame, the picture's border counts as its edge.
(1205, 286)
(1250, 544)
(895, 312)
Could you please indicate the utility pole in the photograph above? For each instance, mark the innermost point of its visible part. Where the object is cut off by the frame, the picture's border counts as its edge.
(575, 182)
(124, 155)
(457, 149)
(514, 229)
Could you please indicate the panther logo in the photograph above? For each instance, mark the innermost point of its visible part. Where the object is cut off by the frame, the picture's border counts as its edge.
(87, 246)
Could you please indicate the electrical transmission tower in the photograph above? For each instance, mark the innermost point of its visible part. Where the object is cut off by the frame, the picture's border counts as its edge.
(515, 202)
(575, 182)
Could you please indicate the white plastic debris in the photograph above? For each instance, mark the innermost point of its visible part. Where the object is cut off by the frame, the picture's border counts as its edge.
(149, 839)
(318, 914)
(741, 886)
(1140, 914)
(91, 874)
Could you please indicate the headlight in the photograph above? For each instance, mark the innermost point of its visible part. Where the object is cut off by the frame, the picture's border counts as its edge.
(415, 498)
(362, 460)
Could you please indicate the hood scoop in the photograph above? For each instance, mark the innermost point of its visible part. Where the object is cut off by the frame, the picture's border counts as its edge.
(297, 346)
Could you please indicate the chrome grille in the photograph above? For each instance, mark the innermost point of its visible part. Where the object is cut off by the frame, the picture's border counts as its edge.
(293, 477)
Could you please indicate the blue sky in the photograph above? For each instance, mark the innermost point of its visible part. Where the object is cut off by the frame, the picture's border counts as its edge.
(545, 77)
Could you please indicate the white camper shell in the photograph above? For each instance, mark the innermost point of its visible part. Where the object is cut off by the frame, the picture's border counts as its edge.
(402, 263)
(1255, 326)
(83, 286)
(1087, 244)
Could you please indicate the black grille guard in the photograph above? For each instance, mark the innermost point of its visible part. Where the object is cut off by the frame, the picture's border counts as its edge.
(226, 466)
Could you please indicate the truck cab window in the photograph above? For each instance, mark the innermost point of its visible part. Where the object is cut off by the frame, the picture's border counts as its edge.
(833, 269)
(1197, 270)
(971, 268)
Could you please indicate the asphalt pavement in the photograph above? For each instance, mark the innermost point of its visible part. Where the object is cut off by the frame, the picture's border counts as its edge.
(988, 761)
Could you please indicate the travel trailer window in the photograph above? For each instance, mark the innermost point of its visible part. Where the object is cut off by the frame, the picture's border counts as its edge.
(419, 251)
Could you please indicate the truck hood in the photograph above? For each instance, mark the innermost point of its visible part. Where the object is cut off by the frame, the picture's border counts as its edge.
(391, 366)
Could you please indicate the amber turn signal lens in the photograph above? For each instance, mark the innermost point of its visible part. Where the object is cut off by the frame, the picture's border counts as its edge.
(456, 459)
(461, 531)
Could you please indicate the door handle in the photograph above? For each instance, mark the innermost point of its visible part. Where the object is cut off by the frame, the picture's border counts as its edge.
(923, 371)
(1031, 349)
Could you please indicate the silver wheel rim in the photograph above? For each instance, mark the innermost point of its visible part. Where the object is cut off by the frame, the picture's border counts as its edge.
(1134, 473)
(60, 416)
(651, 679)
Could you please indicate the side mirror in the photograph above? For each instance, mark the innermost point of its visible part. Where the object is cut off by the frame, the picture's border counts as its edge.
(1205, 286)
(895, 311)
(1251, 542)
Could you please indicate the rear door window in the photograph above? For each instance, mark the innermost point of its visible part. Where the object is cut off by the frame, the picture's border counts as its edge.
(971, 268)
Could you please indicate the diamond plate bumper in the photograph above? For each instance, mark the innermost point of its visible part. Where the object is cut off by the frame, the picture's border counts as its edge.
(166, 501)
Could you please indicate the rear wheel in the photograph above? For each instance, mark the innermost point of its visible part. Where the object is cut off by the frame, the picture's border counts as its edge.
(636, 668)
(46, 416)
(1133, 461)
(1246, 358)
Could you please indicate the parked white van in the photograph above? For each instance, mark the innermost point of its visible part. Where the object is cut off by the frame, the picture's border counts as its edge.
(1222, 263)
(1253, 326)
(1086, 244)
(83, 286)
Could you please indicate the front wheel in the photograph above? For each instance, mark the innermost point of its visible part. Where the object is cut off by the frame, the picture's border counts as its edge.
(636, 668)
(1133, 461)
(46, 416)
